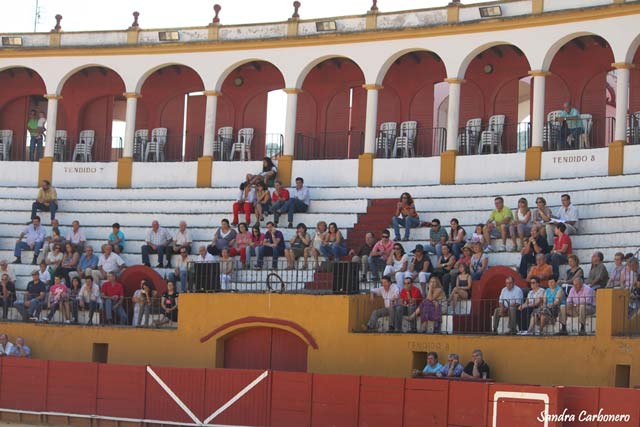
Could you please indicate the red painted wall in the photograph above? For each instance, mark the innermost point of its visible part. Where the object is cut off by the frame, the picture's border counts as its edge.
(634, 94)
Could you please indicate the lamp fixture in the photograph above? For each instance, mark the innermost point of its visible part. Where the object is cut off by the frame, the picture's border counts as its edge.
(490, 11)
(12, 41)
(168, 36)
(488, 69)
(323, 26)
(238, 81)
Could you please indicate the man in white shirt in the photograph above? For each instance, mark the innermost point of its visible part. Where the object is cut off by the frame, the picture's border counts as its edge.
(203, 255)
(390, 294)
(6, 347)
(110, 262)
(567, 214)
(299, 201)
(181, 241)
(35, 235)
(157, 240)
(510, 298)
(76, 237)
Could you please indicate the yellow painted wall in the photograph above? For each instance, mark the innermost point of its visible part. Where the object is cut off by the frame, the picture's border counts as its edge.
(330, 320)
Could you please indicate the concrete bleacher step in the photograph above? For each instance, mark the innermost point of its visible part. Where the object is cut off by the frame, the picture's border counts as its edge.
(446, 326)
(573, 326)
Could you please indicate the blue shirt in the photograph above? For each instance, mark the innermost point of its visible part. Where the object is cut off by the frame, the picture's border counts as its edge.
(572, 123)
(457, 371)
(432, 370)
(551, 296)
(91, 262)
(16, 352)
(112, 238)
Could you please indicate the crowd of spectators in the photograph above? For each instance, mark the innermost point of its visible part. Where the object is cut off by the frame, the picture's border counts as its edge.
(476, 368)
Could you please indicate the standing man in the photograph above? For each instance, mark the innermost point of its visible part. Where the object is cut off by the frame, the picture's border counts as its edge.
(36, 134)
(47, 200)
(156, 242)
(298, 202)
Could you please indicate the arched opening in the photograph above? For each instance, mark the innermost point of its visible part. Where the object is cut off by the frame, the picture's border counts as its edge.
(580, 75)
(265, 348)
(173, 99)
(21, 90)
(331, 111)
(495, 80)
(247, 91)
(410, 94)
(92, 99)
(634, 102)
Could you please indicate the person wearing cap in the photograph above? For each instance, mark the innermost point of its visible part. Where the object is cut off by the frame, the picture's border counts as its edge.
(420, 268)
(437, 237)
(31, 306)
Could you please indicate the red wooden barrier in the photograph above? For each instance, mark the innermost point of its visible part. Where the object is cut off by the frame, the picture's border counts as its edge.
(381, 402)
(187, 384)
(426, 402)
(71, 387)
(121, 391)
(468, 403)
(291, 399)
(522, 405)
(335, 400)
(620, 401)
(24, 384)
(577, 399)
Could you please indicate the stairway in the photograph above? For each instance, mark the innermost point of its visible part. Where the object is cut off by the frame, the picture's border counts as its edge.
(376, 219)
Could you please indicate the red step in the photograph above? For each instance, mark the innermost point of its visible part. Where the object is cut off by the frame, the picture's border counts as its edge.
(321, 281)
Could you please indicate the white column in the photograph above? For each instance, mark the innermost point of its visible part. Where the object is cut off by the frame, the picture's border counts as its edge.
(52, 117)
(537, 118)
(453, 116)
(210, 122)
(622, 99)
(371, 123)
(130, 123)
(290, 121)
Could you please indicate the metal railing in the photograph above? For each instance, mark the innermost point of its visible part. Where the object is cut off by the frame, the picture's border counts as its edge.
(101, 149)
(591, 133)
(633, 128)
(329, 145)
(510, 138)
(630, 319)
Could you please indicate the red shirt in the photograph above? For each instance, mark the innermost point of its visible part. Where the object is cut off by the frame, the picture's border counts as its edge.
(284, 195)
(558, 243)
(415, 294)
(112, 289)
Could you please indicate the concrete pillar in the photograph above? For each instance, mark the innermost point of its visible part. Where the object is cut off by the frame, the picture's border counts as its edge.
(52, 117)
(210, 122)
(130, 123)
(616, 148)
(533, 159)
(453, 117)
(290, 121)
(371, 121)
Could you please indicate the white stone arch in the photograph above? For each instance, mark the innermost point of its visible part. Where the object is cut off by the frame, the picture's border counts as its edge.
(384, 69)
(67, 75)
(228, 70)
(557, 45)
(633, 49)
(143, 78)
(307, 68)
(462, 70)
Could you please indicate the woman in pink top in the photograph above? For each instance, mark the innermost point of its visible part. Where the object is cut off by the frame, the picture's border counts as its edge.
(58, 299)
(243, 241)
(256, 240)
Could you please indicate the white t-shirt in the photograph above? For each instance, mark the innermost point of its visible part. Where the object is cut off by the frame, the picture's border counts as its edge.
(388, 296)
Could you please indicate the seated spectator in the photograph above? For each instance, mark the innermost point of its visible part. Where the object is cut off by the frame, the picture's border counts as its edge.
(478, 237)
(242, 244)
(246, 200)
(5, 268)
(224, 238)
(445, 262)
(581, 302)
(540, 216)
(379, 254)
(116, 239)
(58, 299)
(142, 304)
(615, 278)
(72, 298)
(6, 346)
(549, 311)
(110, 262)
(536, 244)
(566, 214)
(450, 279)
(34, 234)
(89, 297)
(226, 270)
(298, 243)
(112, 296)
(316, 244)
(521, 225)
(397, 264)
(257, 237)
(561, 249)
(169, 304)
(405, 216)
(45, 275)
(279, 196)
(462, 289)
(156, 242)
(477, 368)
(76, 237)
(453, 368)
(31, 306)
(47, 200)
(69, 262)
(479, 262)
(431, 368)
(362, 255)
(390, 293)
(533, 302)
(572, 272)
(510, 299)
(457, 237)
(272, 245)
(8, 290)
(541, 270)
(432, 306)
(598, 275)
(437, 237)
(204, 256)
(87, 266)
(50, 241)
(420, 268)
(498, 224)
(54, 259)
(180, 271)
(630, 274)
(570, 126)
(333, 244)
(266, 176)
(263, 202)
(299, 201)
(20, 349)
(182, 240)
(409, 300)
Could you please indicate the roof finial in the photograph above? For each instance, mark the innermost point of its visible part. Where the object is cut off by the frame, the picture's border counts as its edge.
(296, 6)
(57, 28)
(135, 24)
(216, 9)
(374, 6)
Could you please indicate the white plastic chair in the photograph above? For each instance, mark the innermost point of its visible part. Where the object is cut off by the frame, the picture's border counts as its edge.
(156, 145)
(60, 145)
(406, 139)
(223, 141)
(492, 136)
(471, 135)
(386, 137)
(551, 135)
(243, 145)
(84, 146)
(6, 138)
(585, 136)
(140, 138)
(633, 131)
